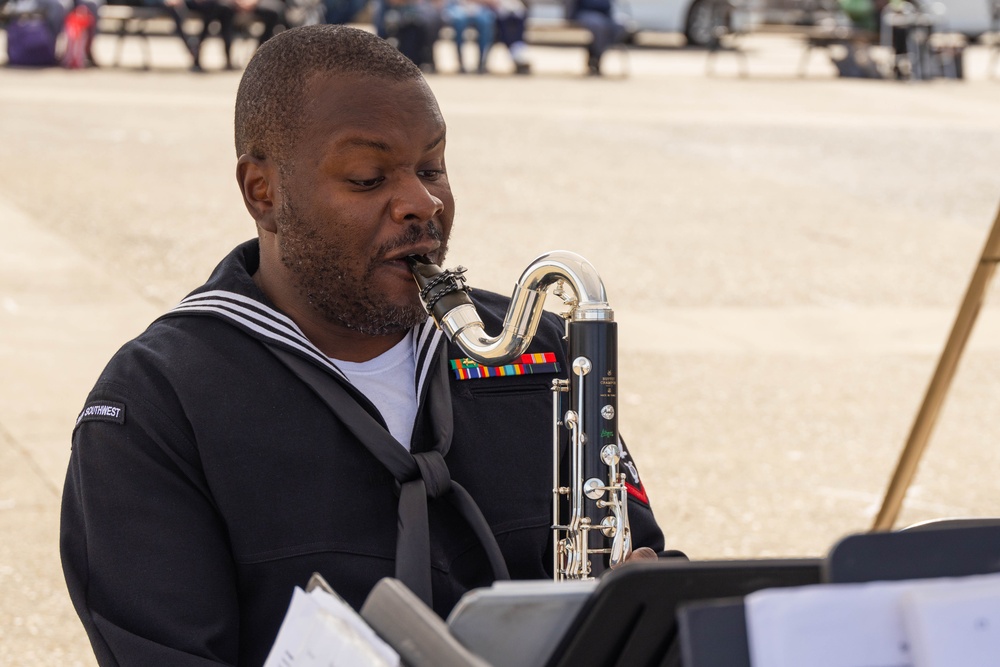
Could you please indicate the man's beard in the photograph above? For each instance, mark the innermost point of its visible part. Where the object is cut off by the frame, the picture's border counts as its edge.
(320, 271)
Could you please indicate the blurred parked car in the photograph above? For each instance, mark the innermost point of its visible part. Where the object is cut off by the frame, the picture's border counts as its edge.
(698, 20)
(969, 17)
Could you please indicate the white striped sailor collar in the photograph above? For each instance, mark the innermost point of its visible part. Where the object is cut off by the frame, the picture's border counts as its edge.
(273, 327)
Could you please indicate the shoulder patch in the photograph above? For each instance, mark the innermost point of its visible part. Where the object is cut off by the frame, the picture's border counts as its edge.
(102, 411)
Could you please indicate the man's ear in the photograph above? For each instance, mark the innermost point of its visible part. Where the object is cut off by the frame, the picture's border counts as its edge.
(258, 179)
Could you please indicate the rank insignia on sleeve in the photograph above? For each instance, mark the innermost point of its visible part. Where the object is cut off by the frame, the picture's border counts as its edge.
(637, 492)
(633, 486)
(527, 364)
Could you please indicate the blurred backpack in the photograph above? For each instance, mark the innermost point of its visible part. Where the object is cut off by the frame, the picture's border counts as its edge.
(31, 42)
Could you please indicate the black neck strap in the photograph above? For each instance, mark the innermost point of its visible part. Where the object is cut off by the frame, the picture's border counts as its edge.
(420, 475)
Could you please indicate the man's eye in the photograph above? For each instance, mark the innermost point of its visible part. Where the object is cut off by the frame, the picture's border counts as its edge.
(367, 182)
(431, 174)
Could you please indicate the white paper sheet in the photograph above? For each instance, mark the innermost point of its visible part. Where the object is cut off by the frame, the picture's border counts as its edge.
(321, 630)
(842, 625)
(956, 623)
(944, 622)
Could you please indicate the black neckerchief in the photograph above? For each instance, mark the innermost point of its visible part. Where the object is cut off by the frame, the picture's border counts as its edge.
(420, 474)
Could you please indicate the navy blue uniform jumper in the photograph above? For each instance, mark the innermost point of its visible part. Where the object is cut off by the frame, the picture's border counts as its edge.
(207, 481)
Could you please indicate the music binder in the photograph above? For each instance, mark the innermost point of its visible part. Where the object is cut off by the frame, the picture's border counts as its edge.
(628, 619)
(631, 618)
(509, 624)
(517, 623)
(915, 554)
(713, 633)
(412, 628)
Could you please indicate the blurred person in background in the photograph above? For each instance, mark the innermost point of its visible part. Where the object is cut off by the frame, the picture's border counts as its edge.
(864, 16)
(270, 13)
(217, 11)
(477, 14)
(54, 11)
(510, 30)
(79, 30)
(343, 11)
(597, 17)
(173, 9)
(412, 26)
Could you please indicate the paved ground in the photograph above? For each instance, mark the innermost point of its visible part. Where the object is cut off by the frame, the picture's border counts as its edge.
(785, 257)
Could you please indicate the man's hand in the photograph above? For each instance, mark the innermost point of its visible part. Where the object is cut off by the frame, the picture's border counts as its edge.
(638, 555)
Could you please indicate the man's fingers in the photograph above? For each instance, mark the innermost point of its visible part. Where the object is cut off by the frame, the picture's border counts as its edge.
(642, 553)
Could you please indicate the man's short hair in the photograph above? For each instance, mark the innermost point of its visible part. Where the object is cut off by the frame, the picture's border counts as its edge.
(271, 100)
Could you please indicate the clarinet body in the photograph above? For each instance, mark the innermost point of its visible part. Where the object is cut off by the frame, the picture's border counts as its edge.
(589, 512)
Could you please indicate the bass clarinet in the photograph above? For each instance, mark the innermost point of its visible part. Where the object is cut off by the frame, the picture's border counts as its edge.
(595, 535)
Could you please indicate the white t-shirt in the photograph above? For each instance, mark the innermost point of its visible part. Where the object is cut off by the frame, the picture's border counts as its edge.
(387, 381)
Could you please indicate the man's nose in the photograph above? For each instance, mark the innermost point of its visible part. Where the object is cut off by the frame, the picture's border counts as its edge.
(413, 202)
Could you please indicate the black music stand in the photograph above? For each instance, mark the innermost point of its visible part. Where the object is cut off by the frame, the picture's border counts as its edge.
(713, 633)
(631, 618)
(952, 550)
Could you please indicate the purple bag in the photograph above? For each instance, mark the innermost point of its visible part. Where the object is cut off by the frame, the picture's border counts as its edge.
(30, 42)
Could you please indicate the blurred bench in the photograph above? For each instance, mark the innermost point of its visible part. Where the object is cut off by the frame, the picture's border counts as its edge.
(547, 25)
(137, 21)
(828, 37)
(825, 36)
(143, 22)
(906, 45)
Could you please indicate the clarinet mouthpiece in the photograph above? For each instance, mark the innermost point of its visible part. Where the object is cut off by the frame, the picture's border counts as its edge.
(441, 290)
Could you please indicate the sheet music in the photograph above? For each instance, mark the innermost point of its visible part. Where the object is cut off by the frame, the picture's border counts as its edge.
(321, 630)
(956, 623)
(829, 625)
(914, 623)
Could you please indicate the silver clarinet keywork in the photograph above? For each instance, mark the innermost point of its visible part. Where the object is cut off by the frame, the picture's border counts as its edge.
(588, 489)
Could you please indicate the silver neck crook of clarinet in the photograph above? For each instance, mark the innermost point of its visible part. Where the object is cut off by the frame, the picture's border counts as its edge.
(596, 535)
